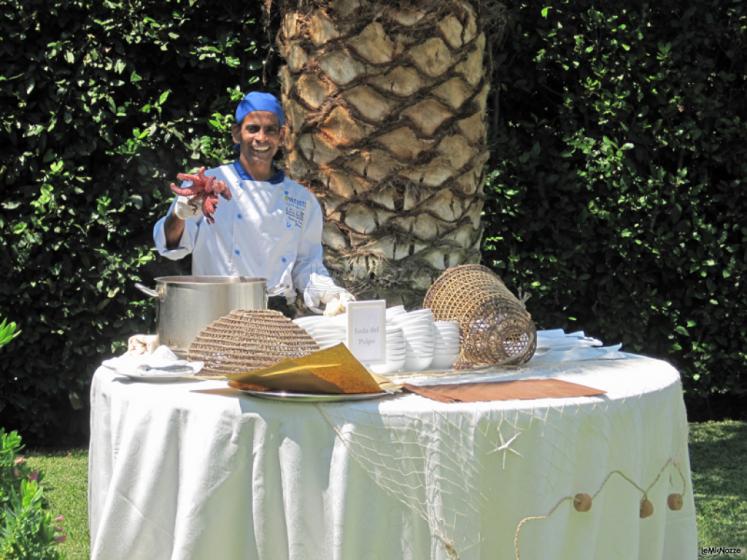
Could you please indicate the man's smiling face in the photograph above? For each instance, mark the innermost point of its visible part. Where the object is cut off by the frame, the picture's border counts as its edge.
(259, 137)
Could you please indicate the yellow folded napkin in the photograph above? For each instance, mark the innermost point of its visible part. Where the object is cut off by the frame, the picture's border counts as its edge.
(331, 371)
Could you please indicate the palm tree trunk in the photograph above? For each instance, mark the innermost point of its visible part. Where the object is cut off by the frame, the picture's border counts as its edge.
(386, 107)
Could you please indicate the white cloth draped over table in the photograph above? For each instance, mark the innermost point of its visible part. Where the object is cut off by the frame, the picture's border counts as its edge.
(177, 473)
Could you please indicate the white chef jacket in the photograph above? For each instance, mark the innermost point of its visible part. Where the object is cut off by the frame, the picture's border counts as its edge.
(269, 229)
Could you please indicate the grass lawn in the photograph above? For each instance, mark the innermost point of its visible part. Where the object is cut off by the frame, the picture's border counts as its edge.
(66, 487)
(717, 460)
(717, 455)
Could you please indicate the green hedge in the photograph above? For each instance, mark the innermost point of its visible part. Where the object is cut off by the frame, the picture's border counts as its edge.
(617, 197)
(102, 103)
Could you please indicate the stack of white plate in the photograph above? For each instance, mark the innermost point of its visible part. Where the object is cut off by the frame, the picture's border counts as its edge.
(326, 331)
(396, 352)
(417, 327)
(446, 345)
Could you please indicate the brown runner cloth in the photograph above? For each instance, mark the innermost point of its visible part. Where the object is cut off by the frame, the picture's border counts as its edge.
(503, 390)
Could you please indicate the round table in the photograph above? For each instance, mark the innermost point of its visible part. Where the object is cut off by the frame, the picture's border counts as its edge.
(195, 470)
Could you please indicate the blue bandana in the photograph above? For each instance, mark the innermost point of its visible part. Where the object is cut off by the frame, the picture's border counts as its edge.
(259, 101)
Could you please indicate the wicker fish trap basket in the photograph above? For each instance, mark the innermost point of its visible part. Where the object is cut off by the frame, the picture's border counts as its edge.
(246, 339)
(494, 326)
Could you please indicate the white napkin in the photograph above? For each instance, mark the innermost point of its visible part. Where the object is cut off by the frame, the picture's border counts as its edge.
(555, 345)
(142, 344)
(570, 354)
(557, 339)
(161, 363)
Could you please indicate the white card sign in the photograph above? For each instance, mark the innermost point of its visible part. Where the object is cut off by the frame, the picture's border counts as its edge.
(367, 330)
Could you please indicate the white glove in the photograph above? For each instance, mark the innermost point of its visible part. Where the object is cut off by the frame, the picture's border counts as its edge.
(186, 211)
(338, 303)
(321, 290)
(142, 344)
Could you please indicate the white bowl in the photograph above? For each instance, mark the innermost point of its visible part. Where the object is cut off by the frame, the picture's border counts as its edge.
(447, 342)
(420, 339)
(390, 366)
(446, 337)
(410, 317)
(422, 315)
(446, 347)
(449, 335)
(424, 338)
(422, 327)
(420, 347)
(443, 362)
(423, 311)
(417, 363)
(395, 310)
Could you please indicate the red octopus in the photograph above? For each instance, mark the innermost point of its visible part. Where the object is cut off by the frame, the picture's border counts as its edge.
(204, 189)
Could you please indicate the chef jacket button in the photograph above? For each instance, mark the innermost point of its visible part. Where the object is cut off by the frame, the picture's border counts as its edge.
(283, 259)
(238, 216)
(237, 251)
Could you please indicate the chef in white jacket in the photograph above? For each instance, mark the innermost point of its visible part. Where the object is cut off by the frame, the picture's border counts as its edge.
(271, 227)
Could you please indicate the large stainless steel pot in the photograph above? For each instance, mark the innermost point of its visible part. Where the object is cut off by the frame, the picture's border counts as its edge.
(186, 304)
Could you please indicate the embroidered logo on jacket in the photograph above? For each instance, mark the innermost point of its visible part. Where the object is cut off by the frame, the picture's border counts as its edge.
(294, 211)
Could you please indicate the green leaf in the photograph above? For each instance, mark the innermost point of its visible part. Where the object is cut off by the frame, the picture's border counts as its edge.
(163, 97)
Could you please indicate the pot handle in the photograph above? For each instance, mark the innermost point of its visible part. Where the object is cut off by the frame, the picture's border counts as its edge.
(147, 291)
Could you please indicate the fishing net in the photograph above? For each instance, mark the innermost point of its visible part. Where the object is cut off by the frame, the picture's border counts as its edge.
(246, 339)
(494, 326)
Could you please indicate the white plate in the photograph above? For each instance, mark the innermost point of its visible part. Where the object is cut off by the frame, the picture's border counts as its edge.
(160, 377)
(442, 363)
(417, 363)
(313, 397)
(328, 337)
(326, 330)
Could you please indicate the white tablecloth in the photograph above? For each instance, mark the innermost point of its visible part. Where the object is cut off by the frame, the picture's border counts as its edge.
(176, 472)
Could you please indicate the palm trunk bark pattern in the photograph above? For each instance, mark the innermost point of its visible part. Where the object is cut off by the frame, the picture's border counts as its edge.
(386, 107)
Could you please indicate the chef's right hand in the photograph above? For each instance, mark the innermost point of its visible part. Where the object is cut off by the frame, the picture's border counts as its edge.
(188, 208)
